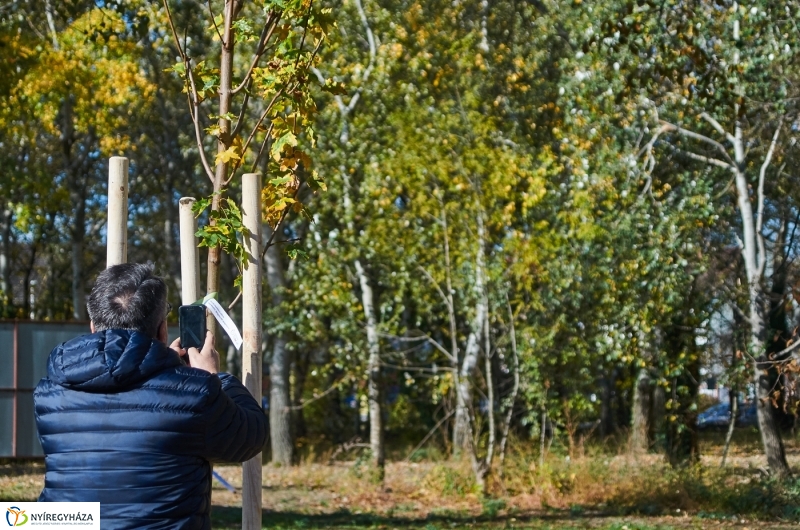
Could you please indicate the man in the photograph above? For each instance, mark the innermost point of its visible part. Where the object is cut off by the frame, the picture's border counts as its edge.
(125, 422)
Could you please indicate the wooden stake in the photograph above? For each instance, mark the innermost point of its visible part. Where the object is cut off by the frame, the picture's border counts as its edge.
(117, 228)
(190, 257)
(251, 331)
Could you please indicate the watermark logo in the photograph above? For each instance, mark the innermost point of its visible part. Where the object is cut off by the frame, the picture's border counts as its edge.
(16, 516)
(52, 515)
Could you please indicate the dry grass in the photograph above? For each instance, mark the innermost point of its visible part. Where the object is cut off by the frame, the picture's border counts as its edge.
(598, 490)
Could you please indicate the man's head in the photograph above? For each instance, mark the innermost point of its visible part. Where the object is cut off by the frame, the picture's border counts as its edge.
(129, 296)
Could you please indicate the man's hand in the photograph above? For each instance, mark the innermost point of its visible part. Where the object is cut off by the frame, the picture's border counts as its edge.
(206, 359)
(176, 347)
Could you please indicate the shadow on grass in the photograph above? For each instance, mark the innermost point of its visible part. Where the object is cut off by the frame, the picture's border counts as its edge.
(229, 518)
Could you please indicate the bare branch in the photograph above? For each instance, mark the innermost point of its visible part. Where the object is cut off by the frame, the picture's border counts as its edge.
(700, 137)
(438, 288)
(263, 146)
(339, 101)
(717, 127)
(372, 54)
(430, 433)
(214, 21)
(194, 112)
(257, 125)
(231, 306)
(266, 33)
(424, 336)
(316, 397)
(174, 32)
(278, 225)
(762, 255)
(705, 159)
(240, 120)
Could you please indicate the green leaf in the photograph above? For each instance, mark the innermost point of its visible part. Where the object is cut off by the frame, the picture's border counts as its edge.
(287, 139)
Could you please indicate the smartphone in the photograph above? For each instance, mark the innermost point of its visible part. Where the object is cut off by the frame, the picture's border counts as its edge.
(192, 319)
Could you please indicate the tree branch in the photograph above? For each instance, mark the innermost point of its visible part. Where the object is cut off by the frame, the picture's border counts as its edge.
(266, 33)
(762, 255)
(717, 127)
(705, 159)
(696, 136)
(438, 288)
(194, 103)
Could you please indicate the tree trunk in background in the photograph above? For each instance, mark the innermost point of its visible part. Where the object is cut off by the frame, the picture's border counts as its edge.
(174, 266)
(233, 360)
(335, 423)
(733, 399)
(763, 380)
(374, 382)
(461, 429)
(658, 416)
(280, 412)
(6, 287)
(779, 333)
(640, 424)
(374, 371)
(607, 423)
(78, 236)
(755, 259)
(300, 368)
(681, 428)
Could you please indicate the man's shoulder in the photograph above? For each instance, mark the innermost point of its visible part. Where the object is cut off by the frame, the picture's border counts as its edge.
(185, 379)
(180, 387)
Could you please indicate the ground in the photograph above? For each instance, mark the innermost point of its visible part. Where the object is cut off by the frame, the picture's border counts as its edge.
(614, 492)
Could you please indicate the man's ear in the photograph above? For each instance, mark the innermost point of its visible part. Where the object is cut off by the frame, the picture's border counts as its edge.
(162, 332)
(91, 326)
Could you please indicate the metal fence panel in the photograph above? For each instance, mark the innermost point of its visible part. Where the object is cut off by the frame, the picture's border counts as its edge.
(27, 436)
(24, 359)
(6, 420)
(7, 354)
(36, 341)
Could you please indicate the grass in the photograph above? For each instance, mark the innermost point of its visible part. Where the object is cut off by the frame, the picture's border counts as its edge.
(597, 489)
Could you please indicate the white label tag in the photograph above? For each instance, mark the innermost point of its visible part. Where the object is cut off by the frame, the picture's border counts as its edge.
(225, 321)
(47, 515)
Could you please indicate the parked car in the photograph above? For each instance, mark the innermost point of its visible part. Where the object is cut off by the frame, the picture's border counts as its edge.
(719, 416)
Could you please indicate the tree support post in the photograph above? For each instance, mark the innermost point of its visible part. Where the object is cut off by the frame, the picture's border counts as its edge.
(117, 236)
(251, 331)
(190, 256)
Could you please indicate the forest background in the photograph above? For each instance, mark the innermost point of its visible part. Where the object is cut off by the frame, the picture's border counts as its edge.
(497, 230)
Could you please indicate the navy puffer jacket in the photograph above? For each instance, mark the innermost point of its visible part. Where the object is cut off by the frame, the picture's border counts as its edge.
(123, 422)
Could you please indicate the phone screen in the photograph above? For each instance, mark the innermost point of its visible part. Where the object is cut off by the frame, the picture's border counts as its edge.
(192, 320)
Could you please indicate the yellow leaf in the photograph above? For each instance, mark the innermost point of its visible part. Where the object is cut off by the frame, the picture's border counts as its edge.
(227, 155)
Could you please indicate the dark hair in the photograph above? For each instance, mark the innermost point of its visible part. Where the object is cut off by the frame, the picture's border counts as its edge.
(128, 296)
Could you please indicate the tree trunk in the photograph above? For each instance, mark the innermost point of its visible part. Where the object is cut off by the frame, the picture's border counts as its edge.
(233, 360)
(767, 422)
(300, 368)
(6, 286)
(681, 431)
(779, 333)
(461, 429)
(280, 415)
(658, 416)
(734, 408)
(754, 266)
(374, 371)
(169, 246)
(78, 235)
(224, 141)
(640, 425)
(607, 384)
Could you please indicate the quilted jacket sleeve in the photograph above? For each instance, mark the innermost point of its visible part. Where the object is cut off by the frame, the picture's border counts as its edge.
(236, 428)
